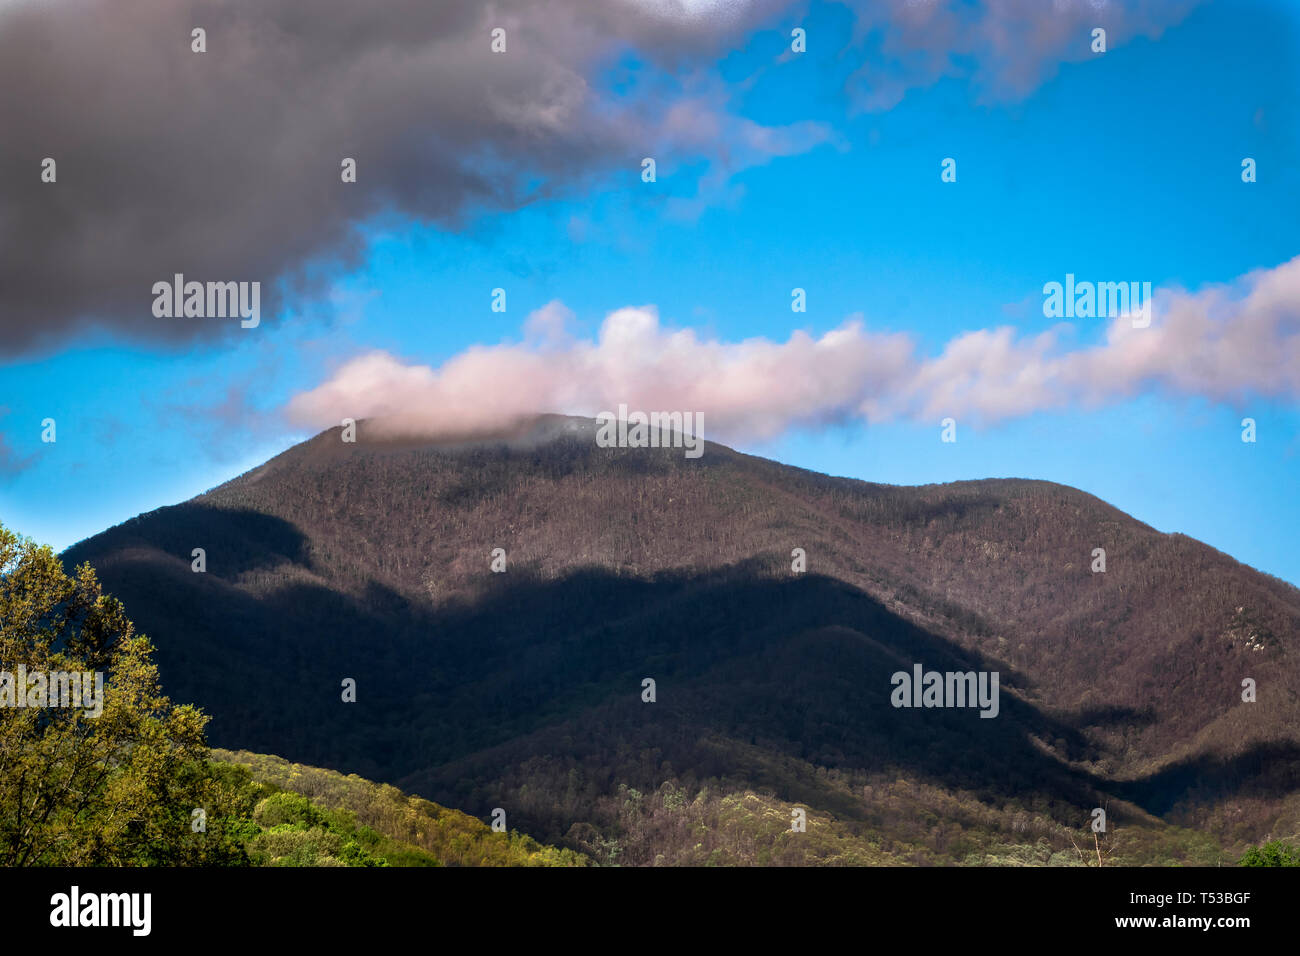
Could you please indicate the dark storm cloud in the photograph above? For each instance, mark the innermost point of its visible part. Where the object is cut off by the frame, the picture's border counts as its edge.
(224, 165)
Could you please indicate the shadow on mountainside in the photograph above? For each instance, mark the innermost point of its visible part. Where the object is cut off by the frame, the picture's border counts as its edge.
(795, 666)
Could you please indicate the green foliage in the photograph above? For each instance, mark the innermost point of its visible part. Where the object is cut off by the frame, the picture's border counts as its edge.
(297, 832)
(319, 817)
(117, 789)
(1273, 853)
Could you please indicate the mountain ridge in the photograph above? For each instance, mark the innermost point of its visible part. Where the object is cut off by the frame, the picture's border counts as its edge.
(1125, 682)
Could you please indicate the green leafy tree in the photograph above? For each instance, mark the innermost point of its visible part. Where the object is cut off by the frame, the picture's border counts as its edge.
(120, 788)
(1273, 853)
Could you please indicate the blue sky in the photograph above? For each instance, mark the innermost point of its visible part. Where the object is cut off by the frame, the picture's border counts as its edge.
(1113, 167)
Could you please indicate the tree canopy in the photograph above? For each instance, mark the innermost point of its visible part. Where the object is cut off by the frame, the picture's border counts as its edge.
(82, 783)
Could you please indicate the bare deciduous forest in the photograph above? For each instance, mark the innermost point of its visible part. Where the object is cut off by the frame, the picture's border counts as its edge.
(522, 689)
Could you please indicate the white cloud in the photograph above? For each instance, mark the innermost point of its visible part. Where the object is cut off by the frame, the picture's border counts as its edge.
(1225, 343)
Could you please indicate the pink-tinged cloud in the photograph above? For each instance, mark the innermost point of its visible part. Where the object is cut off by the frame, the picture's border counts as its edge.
(1224, 342)
(754, 387)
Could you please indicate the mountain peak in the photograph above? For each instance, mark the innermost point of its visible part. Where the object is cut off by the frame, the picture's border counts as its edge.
(502, 596)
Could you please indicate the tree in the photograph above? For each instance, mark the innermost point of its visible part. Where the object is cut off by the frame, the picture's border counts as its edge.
(1273, 853)
(112, 775)
(1104, 846)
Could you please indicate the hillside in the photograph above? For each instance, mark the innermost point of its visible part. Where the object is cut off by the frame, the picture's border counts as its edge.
(522, 689)
(306, 816)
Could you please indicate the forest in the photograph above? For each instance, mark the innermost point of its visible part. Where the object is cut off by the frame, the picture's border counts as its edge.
(371, 562)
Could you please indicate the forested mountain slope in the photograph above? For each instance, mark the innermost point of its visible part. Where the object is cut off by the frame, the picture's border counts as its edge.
(523, 690)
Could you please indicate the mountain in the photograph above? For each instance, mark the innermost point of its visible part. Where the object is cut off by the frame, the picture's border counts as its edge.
(371, 561)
